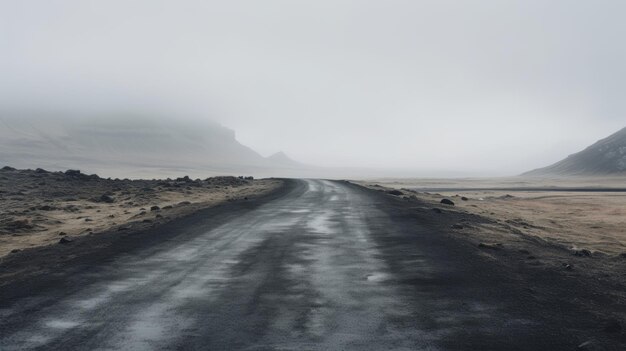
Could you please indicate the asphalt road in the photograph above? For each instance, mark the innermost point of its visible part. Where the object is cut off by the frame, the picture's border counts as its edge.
(327, 266)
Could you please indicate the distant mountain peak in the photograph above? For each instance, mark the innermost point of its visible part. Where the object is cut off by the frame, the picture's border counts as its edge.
(281, 159)
(605, 157)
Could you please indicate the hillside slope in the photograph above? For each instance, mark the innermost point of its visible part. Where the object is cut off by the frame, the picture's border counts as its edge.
(605, 157)
(138, 143)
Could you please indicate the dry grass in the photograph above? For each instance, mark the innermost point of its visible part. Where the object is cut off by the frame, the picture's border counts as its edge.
(63, 208)
(575, 220)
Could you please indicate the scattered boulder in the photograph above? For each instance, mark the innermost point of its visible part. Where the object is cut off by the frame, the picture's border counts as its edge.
(395, 192)
(19, 224)
(155, 208)
(62, 233)
(65, 240)
(464, 198)
(15, 250)
(73, 173)
(447, 202)
(7, 168)
(106, 199)
(582, 253)
(567, 266)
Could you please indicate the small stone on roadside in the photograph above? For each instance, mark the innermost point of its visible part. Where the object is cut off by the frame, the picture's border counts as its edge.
(65, 240)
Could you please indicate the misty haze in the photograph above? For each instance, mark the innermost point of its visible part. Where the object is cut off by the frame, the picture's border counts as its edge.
(312, 175)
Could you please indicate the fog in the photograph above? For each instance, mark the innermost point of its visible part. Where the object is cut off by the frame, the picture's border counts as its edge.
(427, 87)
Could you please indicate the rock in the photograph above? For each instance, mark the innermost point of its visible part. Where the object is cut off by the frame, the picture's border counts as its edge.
(582, 253)
(73, 173)
(447, 202)
(15, 250)
(167, 207)
(612, 326)
(437, 210)
(622, 255)
(106, 198)
(457, 226)
(65, 240)
(567, 266)
(155, 208)
(184, 203)
(395, 192)
(7, 168)
(20, 224)
(62, 233)
(159, 216)
(185, 179)
(46, 208)
(88, 220)
(464, 198)
(147, 221)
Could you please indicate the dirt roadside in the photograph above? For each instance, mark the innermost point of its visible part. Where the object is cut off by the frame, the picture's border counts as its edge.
(50, 222)
(548, 270)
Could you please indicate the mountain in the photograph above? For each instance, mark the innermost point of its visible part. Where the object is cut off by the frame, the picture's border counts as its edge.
(605, 157)
(280, 159)
(130, 143)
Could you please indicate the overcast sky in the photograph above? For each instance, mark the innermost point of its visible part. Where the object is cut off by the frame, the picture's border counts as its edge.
(490, 87)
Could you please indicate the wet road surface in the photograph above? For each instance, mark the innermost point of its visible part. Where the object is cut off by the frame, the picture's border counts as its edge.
(328, 266)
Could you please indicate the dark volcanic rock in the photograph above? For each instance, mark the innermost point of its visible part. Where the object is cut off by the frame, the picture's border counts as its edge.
(395, 192)
(447, 202)
(582, 253)
(65, 240)
(106, 198)
(155, 208)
